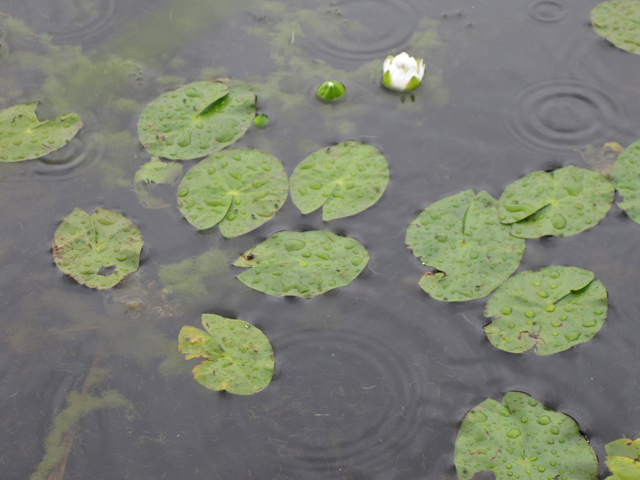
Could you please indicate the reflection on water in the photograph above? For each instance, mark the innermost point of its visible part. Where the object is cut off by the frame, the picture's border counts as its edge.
(372, 380)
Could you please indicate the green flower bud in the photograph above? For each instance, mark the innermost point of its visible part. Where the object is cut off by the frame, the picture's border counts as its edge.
(261, 120)
(330, 91)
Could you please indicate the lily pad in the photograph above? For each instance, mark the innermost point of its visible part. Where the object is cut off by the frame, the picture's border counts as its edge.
(617, 21)
(302, 264)
(460, 236)
(344, 180)
(521, 438)
(24, 137)
(625, 176)
(158, 173)
(239, 189)
(623, 459)
(562, 203)
(196, 120)
(97, 250)
(238, 356)
(551, 310)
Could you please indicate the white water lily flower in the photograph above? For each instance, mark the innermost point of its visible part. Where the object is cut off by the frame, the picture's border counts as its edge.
(402, 72)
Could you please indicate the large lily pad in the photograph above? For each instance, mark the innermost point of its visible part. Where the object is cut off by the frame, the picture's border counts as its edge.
(344, 180)
(623, 459)
(155, 172)
(562, 203)
(521, 438)
(625, 176)
(618, 22)
(239, 357)
(460, 236)
(196, 120)
(551, 310)
(302, 264)
(24, 137)
(97, 250)
(239, 188)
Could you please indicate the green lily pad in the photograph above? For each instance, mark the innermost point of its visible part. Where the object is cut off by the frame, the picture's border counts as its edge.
(562, 203)
(196, 120)
(623, 459)
(238, 356)
(302, 264)
(521, 438)
(239, 189)
(87, 247)
(625, 176)
(158, 173)
(618, 21)
(344, 180)
(460, 236)
(551, 310)
(24, 137)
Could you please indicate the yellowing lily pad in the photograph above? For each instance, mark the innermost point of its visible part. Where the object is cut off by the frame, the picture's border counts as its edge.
(617, 21)
(623, 459)
(97, 250)
(239, 189)
(460, 236)
(551, 310)
(196, 120)
(562, 203)
(238, 356)
(155, 172)
(302, 264)
(625, 176)
(521, 438)
(24, 137)
(344, 180)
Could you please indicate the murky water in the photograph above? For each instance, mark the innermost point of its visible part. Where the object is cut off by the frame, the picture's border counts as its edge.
(371, 380)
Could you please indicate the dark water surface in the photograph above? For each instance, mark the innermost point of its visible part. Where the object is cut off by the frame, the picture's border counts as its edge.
(371, 380)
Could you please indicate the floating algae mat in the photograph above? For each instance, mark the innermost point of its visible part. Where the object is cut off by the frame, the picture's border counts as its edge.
(208, 271)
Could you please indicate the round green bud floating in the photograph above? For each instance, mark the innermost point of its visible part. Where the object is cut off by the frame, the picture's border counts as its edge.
(261, 120)
(330, 91)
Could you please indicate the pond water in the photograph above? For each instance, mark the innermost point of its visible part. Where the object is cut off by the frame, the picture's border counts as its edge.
(371, 380)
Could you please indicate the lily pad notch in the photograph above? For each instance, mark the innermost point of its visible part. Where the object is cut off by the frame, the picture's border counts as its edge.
(24, 137)
(238, 356)
(97, 250)
(196, 119)
(302, 264)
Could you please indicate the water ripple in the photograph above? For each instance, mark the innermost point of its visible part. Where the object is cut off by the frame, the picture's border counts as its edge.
(362, 30)
(73, 21)
(342, 398)
(560, 115)
(547, 11)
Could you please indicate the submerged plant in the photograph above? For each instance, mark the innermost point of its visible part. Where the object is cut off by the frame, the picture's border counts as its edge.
(402, 73)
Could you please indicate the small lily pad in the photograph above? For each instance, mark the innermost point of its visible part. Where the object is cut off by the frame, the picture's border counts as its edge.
(551, 310)
(151, 173)
(24, 137)
(623, 459)
(239, 189)
(239, 357)
(196, 120)
(460, 236)
(562, 203)
(344, 180)
(521, 438)
(625, 176)
(302, 264)
(97, 250)
(617, 21)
